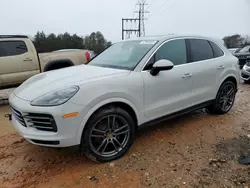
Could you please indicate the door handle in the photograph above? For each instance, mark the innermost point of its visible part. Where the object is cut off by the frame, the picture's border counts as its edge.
(188, 75)
(27, 59)
(220, 67)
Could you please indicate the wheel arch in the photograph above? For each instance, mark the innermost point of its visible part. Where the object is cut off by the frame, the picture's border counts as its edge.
(216, 107)
(50, 64)
(230, 78)
(123, 103)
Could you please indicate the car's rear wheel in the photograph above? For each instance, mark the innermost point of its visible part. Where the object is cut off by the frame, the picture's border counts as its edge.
(108, 134)
(225, 98)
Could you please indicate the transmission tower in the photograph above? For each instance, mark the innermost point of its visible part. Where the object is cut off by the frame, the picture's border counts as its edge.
(136, 25)
(142, 11)
(129, 26)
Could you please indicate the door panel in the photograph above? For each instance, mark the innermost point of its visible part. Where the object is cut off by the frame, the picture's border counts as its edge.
(29, 62)
(1, 83)
(10, 67)
(167, 92)
(205, 68)
(204, 80)
(14, 56)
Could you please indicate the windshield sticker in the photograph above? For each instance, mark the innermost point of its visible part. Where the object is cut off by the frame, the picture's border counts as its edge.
(148, 42)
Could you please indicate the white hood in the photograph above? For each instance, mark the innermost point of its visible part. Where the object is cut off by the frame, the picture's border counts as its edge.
(78, 75)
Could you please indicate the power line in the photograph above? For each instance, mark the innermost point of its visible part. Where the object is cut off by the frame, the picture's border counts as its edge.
(165, 3)
(166, 8)
(151, 4)
(170, 7)
(160, 7)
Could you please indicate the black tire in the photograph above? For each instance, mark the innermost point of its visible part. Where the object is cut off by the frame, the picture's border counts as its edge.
(217, 107)
(89, 142)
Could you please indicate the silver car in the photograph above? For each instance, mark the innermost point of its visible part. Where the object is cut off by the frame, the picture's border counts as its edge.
(245, 73)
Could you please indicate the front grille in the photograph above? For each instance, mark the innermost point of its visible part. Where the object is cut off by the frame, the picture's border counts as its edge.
(43, 122)
(242, 57)
(244, 76)
(56, 142)
(242, 62)
(18, 116)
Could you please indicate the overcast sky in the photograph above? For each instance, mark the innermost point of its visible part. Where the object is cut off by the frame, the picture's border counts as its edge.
(215, 18)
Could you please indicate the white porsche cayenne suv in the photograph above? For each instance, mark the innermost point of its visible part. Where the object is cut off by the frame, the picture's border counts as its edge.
(133, 83)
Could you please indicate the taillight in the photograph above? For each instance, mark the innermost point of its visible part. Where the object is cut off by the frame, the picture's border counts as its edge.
(88, 56)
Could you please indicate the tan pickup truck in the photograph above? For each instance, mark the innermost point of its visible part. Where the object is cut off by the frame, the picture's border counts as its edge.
(19, 59)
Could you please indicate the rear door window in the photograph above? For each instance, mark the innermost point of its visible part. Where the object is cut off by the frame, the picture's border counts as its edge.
(199, 50)
(12, 48)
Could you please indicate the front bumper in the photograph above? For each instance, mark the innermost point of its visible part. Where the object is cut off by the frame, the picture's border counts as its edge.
(245, 73)
(67, 129)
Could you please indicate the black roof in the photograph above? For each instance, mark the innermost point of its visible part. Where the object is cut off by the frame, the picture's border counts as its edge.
(13, 36)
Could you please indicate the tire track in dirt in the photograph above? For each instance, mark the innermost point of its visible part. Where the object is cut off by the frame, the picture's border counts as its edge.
(185, 152)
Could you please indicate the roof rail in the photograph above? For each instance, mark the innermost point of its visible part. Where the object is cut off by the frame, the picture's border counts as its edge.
(13, 36)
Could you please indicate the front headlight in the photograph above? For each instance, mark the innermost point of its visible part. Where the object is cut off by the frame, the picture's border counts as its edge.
(244, 67)
(56, 98)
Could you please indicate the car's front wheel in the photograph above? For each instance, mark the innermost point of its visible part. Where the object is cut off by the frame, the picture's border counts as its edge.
(108, 134)
(225, 98)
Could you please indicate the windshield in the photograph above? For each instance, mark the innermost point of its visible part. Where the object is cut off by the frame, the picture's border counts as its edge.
(245, 49)
(123, 55)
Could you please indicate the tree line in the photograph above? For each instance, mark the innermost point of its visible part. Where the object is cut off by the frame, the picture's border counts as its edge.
(97, 42)
(236, 41)
(51, 42)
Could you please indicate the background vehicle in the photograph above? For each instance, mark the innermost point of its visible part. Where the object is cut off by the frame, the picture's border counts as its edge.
(19, 59)
(233, 50)
(66, 50)
(135, 82)
(92, 53)
(243, 55)
(245, 73)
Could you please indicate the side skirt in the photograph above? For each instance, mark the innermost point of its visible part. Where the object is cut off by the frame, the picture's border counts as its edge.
(176, 114)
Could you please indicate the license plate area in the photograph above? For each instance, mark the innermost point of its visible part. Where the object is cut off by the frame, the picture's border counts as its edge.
(9, 116)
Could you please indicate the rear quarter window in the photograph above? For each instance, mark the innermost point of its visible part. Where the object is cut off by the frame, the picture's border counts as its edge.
(216, 49)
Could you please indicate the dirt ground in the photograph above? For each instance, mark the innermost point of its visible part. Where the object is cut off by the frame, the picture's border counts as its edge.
(197, 150)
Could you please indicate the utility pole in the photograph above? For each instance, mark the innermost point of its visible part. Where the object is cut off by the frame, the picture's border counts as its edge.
(140, 29)
(129, 31)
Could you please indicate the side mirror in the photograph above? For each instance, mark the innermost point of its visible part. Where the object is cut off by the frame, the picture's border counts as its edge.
(161, 65)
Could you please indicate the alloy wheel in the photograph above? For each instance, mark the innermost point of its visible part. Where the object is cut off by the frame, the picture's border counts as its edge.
(109, 135)
(227, 97)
